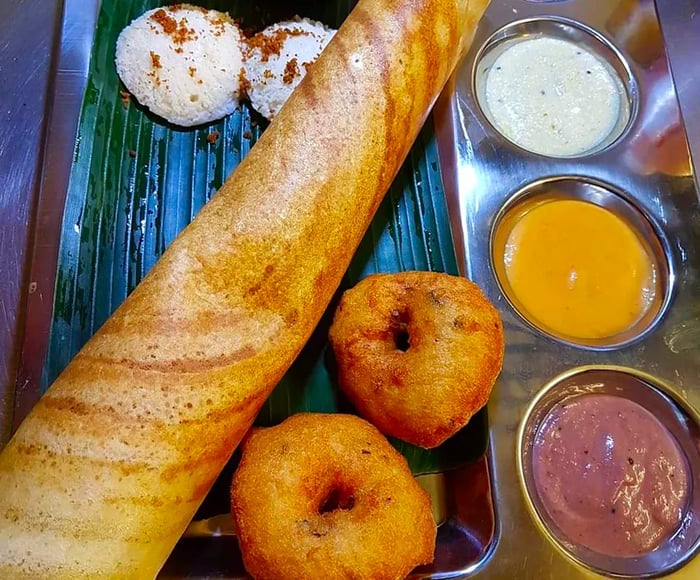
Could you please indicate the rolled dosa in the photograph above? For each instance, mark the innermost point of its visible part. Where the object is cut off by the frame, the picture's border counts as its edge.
(106, 472)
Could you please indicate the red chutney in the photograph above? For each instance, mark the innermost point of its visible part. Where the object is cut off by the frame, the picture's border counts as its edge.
(609, 474)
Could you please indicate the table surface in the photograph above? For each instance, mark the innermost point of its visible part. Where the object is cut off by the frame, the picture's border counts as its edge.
(27, 39)
(40, 69)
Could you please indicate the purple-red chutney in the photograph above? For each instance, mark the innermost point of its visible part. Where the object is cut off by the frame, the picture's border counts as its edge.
(609, 474)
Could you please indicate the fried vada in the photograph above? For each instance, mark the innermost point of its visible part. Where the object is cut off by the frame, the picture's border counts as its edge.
(417, 353)
(327, 496)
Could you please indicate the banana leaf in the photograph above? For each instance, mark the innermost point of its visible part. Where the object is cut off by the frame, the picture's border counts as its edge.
(136, 181)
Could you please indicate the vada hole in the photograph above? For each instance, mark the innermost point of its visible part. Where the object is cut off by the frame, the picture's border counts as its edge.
(336, 500)
(401, 340)
(399, 323)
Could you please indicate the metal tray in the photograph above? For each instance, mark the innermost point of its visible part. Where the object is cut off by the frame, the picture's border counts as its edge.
(482, 170)
(501, 540)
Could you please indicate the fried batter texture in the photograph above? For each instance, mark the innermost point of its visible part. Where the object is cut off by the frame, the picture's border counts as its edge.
(418, 353)
(327, 496)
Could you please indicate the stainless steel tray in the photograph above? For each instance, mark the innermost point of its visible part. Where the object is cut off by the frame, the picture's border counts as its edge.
(482, 170)
(512, 547)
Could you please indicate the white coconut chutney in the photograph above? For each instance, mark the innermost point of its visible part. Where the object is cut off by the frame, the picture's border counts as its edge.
(552, 97)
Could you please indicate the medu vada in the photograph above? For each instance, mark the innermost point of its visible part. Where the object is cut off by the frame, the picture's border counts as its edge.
(327, 496)
(418, 353)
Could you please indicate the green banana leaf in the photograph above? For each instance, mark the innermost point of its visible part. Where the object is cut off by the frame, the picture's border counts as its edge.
(137, 181)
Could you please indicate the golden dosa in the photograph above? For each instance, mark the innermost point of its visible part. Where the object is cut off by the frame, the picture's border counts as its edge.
(104, 475)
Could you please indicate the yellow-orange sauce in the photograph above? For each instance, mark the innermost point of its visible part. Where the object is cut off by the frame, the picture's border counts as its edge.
(577, 269)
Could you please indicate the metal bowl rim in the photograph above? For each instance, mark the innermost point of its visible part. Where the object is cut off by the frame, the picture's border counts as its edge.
(629, 82)
(667, 264)
(653, 382)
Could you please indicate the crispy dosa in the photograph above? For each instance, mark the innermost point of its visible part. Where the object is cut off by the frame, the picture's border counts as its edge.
(104, 475)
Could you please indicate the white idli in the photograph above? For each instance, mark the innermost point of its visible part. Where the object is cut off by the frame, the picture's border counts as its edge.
(182, 62)
(277, 59)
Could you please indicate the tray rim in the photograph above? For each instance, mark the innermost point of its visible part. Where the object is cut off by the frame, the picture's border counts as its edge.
(68, 81)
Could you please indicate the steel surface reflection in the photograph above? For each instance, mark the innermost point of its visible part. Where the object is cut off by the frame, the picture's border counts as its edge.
(649, 163)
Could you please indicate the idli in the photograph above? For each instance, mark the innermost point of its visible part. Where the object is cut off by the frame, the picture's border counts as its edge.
(277, 58)
(184, 63)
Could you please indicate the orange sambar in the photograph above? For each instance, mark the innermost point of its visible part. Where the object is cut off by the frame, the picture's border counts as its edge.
(576, 269)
